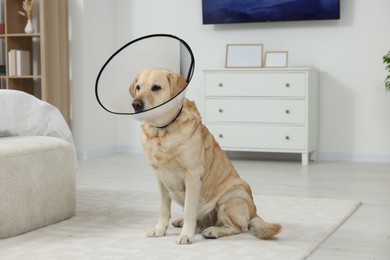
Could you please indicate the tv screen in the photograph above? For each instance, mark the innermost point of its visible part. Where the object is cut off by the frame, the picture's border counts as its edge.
(246, 11)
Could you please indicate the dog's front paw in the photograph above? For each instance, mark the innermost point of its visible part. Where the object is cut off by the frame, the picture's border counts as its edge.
(156, 232)
(183, 239)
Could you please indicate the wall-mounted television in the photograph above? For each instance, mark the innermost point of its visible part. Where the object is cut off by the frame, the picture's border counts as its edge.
(247, 11)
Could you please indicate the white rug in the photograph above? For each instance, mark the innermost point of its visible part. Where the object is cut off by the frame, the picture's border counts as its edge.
(113, 224)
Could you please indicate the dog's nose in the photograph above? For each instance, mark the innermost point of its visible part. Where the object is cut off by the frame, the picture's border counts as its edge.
(138, 105)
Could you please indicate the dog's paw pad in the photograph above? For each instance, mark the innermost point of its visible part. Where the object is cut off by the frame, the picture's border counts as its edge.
(184, 240)
(156, 232)
(178, 223)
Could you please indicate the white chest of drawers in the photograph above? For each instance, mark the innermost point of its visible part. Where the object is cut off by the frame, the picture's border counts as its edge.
(263, 110)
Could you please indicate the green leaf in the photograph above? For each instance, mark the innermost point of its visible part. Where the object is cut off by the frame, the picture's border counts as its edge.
(386, 61)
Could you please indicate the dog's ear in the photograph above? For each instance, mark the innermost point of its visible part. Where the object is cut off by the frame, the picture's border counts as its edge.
(132, 87)
(177, 83)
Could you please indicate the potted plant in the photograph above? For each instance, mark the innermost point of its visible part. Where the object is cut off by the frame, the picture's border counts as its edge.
(386, 61)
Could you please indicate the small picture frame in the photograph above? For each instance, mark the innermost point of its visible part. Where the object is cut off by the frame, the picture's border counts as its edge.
(244, 56)
(276, 59)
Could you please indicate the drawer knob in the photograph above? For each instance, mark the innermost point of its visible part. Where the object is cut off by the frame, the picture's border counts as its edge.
(220, 85)
(287, 137)
(220, 110)
(287, 111)
(220, 135)
(287, 85)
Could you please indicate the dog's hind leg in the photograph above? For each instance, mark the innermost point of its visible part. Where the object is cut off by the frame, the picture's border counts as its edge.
(216, 232)
(202, 223)
(178, 223)
(233, 217)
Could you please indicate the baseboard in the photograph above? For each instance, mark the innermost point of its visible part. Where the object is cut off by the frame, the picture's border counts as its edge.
(88, 154)
(353, 157)
(129, 149)
(341, 157)
(264, 156)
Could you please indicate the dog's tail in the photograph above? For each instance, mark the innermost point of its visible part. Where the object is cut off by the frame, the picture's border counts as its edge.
(263, 230)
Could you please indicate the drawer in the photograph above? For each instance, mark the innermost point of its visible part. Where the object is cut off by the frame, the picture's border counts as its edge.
(259, 137)
(255, 84)
(255, 110)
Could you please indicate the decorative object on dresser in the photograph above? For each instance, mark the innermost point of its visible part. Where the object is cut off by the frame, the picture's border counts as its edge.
(276, 59)
(244, 55)
(45, 73)
(263, 110)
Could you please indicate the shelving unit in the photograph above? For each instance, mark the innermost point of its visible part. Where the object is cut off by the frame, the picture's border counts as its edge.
(48, 47)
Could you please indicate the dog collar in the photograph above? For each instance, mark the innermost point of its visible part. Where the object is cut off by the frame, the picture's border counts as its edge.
(161, 127)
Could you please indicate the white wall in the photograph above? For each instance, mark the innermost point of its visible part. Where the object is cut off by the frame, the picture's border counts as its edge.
(353, 120)
(92, 40)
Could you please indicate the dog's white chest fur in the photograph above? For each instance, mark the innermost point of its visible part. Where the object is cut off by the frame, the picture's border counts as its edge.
(169, 159)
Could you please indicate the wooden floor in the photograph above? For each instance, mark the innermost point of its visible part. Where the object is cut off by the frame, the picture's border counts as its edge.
(366, 235)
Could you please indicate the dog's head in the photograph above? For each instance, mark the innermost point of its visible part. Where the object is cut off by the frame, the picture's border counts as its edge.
(153, 87)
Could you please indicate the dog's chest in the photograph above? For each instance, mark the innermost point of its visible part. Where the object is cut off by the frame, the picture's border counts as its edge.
(166, 157)
(171, 173)
(162, 151)
(172, 155)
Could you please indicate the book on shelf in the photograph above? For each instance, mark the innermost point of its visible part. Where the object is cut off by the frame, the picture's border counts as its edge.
(12, 63)
(22, 63)
(18, 63)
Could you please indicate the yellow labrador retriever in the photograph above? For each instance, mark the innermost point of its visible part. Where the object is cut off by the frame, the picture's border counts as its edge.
(192, 169)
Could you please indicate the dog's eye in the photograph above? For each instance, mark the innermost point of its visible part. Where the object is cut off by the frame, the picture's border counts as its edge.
(137, 87)
(156, 88)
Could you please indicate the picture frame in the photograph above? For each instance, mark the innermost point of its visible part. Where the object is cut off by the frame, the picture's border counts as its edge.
(244, 56)
(276, 59)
